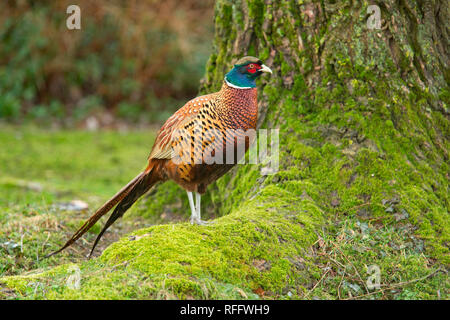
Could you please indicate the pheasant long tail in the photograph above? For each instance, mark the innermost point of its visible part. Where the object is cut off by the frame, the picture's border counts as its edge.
(124, 200)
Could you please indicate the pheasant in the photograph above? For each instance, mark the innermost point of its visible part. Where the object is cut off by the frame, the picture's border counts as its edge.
(188, 143)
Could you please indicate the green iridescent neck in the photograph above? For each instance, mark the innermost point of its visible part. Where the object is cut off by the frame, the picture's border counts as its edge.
(240, 80)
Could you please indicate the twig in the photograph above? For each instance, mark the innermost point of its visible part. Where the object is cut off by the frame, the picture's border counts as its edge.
(339, 286)
(359, 276)
(323, 276)
(337, 262)
(396, 285)
(45, 242)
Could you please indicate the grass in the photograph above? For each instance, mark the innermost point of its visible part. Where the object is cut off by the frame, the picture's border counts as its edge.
(41, 169)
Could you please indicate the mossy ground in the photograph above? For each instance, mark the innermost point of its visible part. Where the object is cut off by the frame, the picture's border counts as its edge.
(42, 169)
(231, 259)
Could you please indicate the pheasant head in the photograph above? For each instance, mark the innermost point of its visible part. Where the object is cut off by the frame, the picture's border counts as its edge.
(245, 72)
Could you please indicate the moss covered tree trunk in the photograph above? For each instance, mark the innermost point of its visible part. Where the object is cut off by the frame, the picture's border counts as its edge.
(363, 179)
(363, 113)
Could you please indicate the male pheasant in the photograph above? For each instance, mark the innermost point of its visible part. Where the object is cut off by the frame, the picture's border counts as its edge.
(187, 146)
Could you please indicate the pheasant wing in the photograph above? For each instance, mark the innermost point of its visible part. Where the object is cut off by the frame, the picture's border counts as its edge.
(163, 146)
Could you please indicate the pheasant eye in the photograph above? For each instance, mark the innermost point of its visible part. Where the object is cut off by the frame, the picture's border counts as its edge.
(251, 65)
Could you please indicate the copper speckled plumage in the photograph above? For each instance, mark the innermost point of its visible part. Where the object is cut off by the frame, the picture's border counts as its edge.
(228, 110)
(190, 140)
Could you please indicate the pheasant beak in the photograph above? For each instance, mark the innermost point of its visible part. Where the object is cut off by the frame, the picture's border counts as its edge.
(265, 68)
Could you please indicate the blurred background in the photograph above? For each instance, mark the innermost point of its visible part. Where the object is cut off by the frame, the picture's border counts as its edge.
(132, 62)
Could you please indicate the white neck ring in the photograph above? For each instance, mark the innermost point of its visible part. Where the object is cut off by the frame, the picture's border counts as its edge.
(234, 86)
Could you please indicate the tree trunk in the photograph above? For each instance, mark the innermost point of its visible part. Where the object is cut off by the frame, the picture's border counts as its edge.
(362, 188)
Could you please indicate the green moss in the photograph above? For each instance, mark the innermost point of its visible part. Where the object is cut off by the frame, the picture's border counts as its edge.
(41, 170)
(236, 251)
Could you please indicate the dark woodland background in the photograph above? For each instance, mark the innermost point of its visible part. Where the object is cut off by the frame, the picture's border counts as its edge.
(136, 61)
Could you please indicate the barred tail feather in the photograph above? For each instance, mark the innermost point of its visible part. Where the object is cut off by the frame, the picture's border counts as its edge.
(133, 190)
(138, 189)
